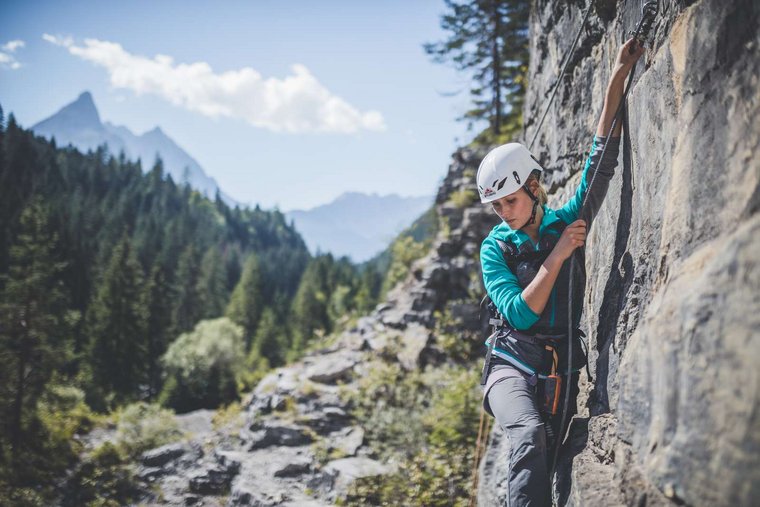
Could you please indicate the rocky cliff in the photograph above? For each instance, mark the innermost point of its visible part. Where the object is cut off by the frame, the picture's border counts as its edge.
(673, 296)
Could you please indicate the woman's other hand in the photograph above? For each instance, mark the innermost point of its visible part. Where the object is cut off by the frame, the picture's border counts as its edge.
(572, 237)
(628, 54)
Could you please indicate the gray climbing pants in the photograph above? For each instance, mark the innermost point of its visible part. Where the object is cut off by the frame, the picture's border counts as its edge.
(513, 402)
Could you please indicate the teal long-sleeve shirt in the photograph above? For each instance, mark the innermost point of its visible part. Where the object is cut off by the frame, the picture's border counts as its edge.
(504, 287)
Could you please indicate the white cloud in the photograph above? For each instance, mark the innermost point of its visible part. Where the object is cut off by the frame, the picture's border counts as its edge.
(7, 60)
(13, 45)
(297, 103)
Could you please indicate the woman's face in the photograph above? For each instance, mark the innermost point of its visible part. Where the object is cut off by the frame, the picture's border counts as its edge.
(515, 208)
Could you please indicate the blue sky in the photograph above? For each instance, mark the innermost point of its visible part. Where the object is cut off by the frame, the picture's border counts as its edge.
(284, 103)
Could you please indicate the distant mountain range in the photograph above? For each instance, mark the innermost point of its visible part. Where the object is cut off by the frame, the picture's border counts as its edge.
(357, 225)
(79, 124)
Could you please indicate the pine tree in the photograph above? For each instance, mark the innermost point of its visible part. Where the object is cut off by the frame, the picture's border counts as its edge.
(369, 289)
(489, 38)
(32, 307)
(17, 181)
(212, 284)
(246, 302)
(117, 319)
(270, 341)
(158, 299)
(187, 310)
(310, 305)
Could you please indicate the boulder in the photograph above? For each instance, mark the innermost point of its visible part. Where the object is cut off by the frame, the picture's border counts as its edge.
(414, 341)
(150, 474)
(331, 368)
(248, 498)
(197, 423)
(347, 470)
(348, 441)
(326, 420)
(296, 467)
(275, 433)
(212, 480)
(160, 456)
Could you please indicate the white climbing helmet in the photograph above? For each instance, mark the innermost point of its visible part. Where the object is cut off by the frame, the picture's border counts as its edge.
(504, 170)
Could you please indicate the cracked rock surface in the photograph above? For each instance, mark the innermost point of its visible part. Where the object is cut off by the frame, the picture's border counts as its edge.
(673, 296)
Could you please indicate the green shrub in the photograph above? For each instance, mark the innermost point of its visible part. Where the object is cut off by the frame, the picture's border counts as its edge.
(404, 252)
(229, 416)
(463, 198)
(105, 478)
(142, 426)
(459, 345)
(64, 413)
(390, 402)
(433, 478)
(48, 447)
(203, 366)
(427, 423)
(452, 418)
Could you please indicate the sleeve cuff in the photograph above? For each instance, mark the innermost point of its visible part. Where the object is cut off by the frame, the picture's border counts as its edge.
(613, 146)
(522, 316)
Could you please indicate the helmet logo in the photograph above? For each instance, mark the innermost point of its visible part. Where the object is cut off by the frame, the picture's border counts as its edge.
(517, 177)
(488, 192)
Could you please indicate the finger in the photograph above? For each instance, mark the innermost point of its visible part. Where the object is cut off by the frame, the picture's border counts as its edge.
(633, 47)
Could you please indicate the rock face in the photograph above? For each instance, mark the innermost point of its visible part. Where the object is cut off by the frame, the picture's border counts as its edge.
(673, 296)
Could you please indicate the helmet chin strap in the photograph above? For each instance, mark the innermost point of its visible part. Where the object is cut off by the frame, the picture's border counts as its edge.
(532, 218)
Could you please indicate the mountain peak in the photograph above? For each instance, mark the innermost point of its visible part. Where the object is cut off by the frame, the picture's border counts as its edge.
(80, 114)
(84, 107)
(154, 132)
(86, 98)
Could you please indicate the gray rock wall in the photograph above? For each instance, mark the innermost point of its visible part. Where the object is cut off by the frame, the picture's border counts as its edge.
(673, 296)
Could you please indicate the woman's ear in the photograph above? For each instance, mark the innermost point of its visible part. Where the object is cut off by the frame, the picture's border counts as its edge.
(533, 185)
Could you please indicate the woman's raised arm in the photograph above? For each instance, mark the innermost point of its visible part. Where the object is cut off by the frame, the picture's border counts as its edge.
(623, 65)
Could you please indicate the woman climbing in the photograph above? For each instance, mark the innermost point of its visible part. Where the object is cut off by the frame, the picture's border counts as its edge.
(526, 277)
